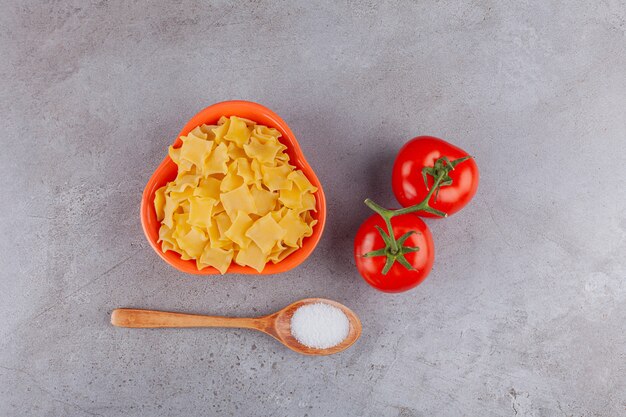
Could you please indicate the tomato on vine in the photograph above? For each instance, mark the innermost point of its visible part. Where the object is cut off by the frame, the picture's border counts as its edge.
(415, 170)
(412, 262)
(394, 249)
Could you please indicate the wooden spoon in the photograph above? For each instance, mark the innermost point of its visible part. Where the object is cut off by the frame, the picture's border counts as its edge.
(277, 325)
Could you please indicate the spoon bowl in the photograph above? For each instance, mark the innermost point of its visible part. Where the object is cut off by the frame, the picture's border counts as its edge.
(277, 325)
(281, 329)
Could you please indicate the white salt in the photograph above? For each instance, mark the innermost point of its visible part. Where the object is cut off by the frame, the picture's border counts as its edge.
(319, 325)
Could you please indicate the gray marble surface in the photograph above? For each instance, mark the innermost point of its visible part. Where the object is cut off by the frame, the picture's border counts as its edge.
(524, 311)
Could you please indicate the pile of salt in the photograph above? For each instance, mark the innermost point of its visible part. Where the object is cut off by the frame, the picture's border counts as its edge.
(319, 325)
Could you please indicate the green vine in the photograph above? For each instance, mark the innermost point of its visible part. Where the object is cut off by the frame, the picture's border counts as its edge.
(394, 249)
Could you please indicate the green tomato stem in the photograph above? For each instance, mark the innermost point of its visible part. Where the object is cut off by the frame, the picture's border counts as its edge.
(393, 250)
(386, 214)
(423, 205)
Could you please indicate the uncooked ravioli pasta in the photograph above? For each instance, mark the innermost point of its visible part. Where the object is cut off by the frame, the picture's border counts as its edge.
(235, 198)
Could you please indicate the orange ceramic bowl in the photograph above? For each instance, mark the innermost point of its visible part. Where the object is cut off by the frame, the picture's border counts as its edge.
(167, 172)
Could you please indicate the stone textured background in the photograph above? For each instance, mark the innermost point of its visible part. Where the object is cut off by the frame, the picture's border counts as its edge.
(524, 311)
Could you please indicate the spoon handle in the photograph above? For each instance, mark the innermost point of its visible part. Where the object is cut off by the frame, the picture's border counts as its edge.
(130, 317)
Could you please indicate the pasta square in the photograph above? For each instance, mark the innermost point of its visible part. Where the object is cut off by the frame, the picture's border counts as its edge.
(301, 181)
(294, 226)
(237, 231)
(275, 178)
(200, 211)
(219, 259)
(208, 187)
(238, 131)
(159, 203)
(291, 198)
(239, 199)
(265, 153)
(195, 150)
(265, 201)
(251, 256)
(215, 163)
(193, 242)
(265, 232)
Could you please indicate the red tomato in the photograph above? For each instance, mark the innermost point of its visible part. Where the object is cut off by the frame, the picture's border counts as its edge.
(399, 278)
(408, 181)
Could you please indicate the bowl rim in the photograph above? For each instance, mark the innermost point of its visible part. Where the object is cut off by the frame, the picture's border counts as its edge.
(210, 115)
